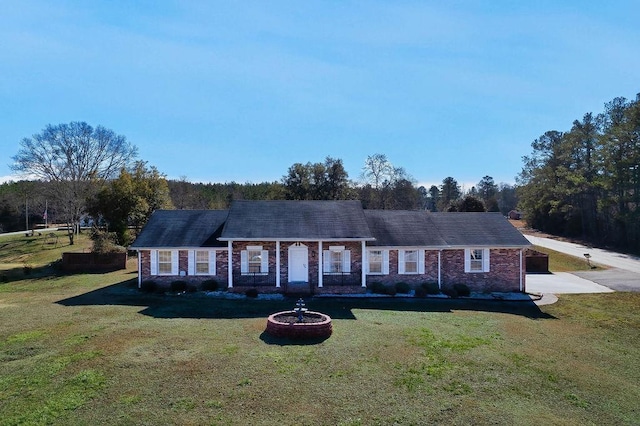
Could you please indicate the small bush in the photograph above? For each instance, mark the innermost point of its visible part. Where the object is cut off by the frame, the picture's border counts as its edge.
(192, 288)
(209, 285)
(148, 286)
(451, 292)
(430, 287)
(4, 279)
(402, 287)
(462, 289)
(252, 292)
(420, 292)
(178, 286)
(390, 290)
(376, 287)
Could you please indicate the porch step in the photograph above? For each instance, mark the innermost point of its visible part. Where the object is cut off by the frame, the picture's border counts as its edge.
(301, 288)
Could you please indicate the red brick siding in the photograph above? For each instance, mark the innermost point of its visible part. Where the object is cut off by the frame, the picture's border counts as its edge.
(503, 275)
(430, 270)
(183, 260)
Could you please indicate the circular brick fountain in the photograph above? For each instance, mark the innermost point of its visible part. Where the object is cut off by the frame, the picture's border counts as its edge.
(314, 325)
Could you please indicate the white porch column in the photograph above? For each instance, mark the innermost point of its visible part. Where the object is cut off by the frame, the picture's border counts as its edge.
(277, 263)
(439, 269)
(230, 264)
(320, 264)
(139, 269)
(521, 281)
(362, 269)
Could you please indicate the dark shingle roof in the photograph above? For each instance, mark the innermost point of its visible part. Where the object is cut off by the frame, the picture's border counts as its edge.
(402, 228)
(325, 220)
(182, 228)
(413, 228)
(313, 220)
(478, 229)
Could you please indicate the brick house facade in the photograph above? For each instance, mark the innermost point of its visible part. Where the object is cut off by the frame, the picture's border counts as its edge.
(330, 247)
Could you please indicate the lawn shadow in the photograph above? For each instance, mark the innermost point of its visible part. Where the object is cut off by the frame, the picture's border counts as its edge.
(202, 306)
(283, 341)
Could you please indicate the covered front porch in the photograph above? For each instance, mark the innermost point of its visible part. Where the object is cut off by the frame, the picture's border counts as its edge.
(297, 266)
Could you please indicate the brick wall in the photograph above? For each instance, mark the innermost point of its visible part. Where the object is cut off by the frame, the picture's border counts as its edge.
(430, 270)
(503, 275)
(183, 265)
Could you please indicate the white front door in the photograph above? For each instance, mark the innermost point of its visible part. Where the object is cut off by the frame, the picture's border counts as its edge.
(298, 263)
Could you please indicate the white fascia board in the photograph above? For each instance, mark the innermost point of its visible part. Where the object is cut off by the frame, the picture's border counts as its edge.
(444, 247)
(430, 248)
(295, 239)
(177, 248)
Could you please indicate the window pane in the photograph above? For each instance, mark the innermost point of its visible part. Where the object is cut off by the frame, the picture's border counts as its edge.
(411, 256)
(336, 261)
(411, 261)
(255, 261)
(164, 262)
(476, 260)
(375, 261)
(202, 256)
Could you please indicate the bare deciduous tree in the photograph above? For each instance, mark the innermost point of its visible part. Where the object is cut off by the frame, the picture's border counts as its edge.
(74, 157)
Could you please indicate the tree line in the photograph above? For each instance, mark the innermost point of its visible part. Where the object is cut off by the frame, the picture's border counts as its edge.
(89, 175)
(585, 182)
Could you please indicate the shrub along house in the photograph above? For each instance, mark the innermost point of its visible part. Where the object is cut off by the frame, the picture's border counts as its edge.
(329, 247)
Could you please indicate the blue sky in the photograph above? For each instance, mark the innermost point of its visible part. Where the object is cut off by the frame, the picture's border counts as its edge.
(240, 91)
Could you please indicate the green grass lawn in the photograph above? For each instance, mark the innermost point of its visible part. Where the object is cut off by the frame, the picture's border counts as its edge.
(89, 349)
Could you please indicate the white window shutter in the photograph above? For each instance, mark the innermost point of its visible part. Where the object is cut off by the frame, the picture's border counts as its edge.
(174, 262)
(264, 265)
(346, 261)
(154, 262)
(326, 261)
(244, 262)
(212, 262)
(401, 261)
(467, 260)
(191, 262)
(421, 261)
(385, 262)
(485, 260)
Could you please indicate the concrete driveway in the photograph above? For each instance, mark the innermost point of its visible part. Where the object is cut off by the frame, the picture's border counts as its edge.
(624, 274)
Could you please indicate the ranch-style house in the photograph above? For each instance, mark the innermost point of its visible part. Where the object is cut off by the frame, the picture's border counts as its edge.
(330, 247)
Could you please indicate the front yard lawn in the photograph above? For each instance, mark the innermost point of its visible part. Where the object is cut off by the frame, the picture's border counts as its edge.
(90, 349)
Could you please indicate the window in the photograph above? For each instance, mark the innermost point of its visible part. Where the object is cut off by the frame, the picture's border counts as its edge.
(377, 262)
(476, 260)
(411, 261)
(202, 262)
(254, 260)
(337, 260)
(164, 262)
